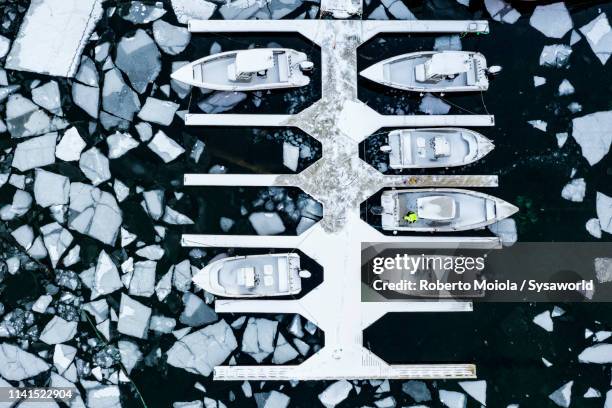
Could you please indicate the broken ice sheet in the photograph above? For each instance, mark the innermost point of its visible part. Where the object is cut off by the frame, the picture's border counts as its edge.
(53, 35)
(56, 239)
(555, 55)
(599, 36)
(166, 148)
(186, 10)
(267, 223)
(335, 393)
(220, 102)
(433, 105)
(48, 96)
(201, 351)
(593, 132)
(139, 58)
(24, 118)
(119, 144)
(95, 166)
(17, 364)
(50, 188)
(552, 20)
(118, 98)
(174, 217)
(502, 11)
(143, 13)
(171, 39)
(563, 395)
(94, 212)
(22, 201)
(258, 338)
(133, 317)
(71, 146)
(58, 331)
(158, 111)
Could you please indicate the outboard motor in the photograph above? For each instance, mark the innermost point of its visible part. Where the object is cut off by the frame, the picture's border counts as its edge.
(385, 149)
(306, 66)
(494, 70)
(304, 274)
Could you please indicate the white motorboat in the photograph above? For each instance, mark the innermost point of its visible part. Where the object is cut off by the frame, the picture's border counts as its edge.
(247, 70)
(253, 276)
(433, 71)
(441, 209)
(435, 147)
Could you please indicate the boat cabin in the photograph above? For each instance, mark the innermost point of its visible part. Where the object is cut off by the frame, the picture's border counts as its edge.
(249, 62)
(443, 65)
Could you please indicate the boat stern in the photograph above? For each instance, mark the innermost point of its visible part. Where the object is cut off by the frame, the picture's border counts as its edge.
(374, 73)
(388, 217)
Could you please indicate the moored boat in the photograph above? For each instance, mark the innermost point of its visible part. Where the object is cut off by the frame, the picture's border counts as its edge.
(433, 71)
(435, 147)
(441, 210)
(247, 70)
(253, 276)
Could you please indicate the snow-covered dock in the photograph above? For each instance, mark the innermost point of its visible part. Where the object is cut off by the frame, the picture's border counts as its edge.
(341, 181)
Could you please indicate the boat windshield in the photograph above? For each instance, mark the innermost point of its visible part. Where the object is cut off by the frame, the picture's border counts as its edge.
(446, 64)
(251, 61)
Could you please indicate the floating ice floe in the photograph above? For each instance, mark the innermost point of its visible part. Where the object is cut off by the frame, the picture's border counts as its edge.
(171, 39)
(196, 312)
(555, 55)
(151, 252)
(378, 14)
(142, 282)
(574, 107)
(592, 226)
(166, 148)
(24, 118)
(273, 399)
(52, 36)
(71, 146)
(538, 81)
(105, 277)
(35, 152)
(335, 393)
(22, 201)
(48, 96)
(220, 102)
(58, 331)
(563, 396)
(505, 230)
(502, 11)
(544, 321)
(267, 223)
(118, 99)
(597, 354)
(5, 46)
(476, 390)
(85, 90)
(566, 88)
(447, 43)
(433, 105)
(139, 58)
(119, 144)
(141, 13)
(398, 9)
(17, 364)
(283, 352)
(291, 156)
(130, 354)
(552, 20)
(174, 217)
(417, 390)
(574, 190)
(133, 317)
(162, 324)
(153, 203)
(186, 10)
(452, 399)
(94, 212)
(603, 269)
(56, 239)
(204, 349)
(592, 393)
(561, 138)
(50, 188)
(593, 132)
(603, 204)
(158, 111)
(258, 338)
(95, 166)
(104, 396)
(538, 124)
(181, 275)
(599, 36)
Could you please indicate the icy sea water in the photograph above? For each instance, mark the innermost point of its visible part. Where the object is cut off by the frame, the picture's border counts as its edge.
(501, 339)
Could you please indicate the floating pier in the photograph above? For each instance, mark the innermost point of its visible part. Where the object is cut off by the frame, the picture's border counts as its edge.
(341, 181)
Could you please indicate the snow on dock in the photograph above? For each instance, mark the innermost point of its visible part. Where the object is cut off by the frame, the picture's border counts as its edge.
(340, 181)
(52, 36)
